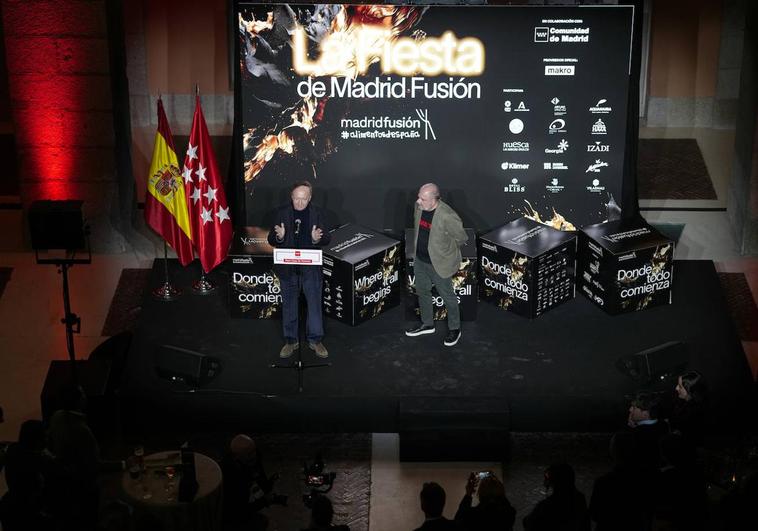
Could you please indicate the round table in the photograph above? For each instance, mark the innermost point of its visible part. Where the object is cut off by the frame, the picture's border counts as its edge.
(149, 495)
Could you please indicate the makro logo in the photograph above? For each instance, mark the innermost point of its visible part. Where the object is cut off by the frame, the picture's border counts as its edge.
(560, 70)
(514, 166)
(515, 146)
(595, 166)
(557, 126)
(600, 107)
(598, 147)
(541, 34)
(562, 146)
(514, 187)
(516, 126)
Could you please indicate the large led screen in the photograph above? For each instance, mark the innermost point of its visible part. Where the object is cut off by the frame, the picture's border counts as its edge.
(511, 110)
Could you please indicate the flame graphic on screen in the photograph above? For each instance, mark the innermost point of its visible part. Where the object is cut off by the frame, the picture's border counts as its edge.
(299, 125)
(557, 221)
(302, 122)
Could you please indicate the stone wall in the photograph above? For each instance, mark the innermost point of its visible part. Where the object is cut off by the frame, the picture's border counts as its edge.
(60, 90)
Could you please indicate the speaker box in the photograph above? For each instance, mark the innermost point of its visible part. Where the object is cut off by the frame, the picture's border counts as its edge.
(454, 429)
(656, 364)
(56, 225)
(186, 366)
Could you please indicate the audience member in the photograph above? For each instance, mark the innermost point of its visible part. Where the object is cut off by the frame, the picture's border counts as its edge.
(565, 509)
(647, 429)
(247, 488)
(688, 411)
(621, 499)
(681, 499)
(27, 466)
(493, 512)
(322, 514)
(432, 498)
(77, 458)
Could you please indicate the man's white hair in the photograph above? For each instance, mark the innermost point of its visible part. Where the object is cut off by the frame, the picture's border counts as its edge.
(432, 189)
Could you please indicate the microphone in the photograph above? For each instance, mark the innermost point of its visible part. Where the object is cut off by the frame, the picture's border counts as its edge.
(297, 226)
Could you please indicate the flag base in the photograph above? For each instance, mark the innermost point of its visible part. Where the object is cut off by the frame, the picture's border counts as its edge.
(203, 286)
(166, 292)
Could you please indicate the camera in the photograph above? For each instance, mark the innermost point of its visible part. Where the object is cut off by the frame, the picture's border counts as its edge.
(320, 482)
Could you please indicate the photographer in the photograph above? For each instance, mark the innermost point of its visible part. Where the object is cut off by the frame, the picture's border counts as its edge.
(247, 488)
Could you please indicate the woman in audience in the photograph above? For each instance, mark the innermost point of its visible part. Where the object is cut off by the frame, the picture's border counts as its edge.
(493, 512)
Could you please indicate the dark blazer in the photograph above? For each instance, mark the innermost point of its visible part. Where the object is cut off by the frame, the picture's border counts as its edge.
(286, 214)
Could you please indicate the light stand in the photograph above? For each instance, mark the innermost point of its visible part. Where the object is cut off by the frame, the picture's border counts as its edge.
(57, 229)
(72, 322)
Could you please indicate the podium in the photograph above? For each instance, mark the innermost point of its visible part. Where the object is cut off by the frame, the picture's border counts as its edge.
(625, 266)
(254, 289)
(464, 282)
(526, 267)
(361, 274)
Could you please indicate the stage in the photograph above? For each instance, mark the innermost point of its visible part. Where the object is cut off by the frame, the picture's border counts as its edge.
(554, 373)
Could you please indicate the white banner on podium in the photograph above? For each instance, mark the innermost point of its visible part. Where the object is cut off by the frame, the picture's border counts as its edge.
(298, 256)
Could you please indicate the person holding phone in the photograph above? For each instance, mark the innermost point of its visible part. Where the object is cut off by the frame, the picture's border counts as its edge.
(493, 512)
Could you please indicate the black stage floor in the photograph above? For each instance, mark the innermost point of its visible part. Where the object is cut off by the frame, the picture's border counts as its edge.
(555, 373)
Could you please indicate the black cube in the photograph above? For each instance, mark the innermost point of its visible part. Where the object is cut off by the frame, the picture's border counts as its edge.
(526, 267)
(254, 289)
(361, 274)
(464, 282)
(625, 265)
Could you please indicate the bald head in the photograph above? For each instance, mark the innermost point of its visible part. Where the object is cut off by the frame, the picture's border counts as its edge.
(242, 447)
(428, 196)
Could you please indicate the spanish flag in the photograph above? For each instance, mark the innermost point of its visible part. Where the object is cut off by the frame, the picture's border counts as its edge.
(166, 209)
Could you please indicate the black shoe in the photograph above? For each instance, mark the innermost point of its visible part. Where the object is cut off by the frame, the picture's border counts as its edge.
(452, 337)
(419, 330)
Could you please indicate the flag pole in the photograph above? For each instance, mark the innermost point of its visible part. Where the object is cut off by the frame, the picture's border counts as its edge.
(166, 292)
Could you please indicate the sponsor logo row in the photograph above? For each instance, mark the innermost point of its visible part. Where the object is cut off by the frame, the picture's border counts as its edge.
(559, 108)
(557, 126)
(560, 147)
(594, 167)
(554, 186)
